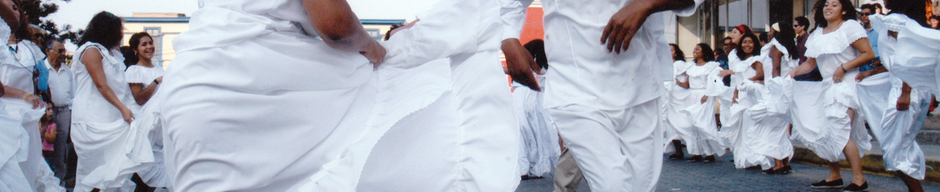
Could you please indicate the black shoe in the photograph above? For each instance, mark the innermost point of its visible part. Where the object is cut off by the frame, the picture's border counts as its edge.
(827, 185)
(853, 187)
(677, 156)
(770, 171)
(695, 158)
(709, 159)
(753, 168)
(785, 170)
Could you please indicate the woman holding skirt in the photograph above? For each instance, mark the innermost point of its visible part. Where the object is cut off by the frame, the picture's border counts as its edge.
(769, 118)
(748, 74)
(824, 114)
(692, 110)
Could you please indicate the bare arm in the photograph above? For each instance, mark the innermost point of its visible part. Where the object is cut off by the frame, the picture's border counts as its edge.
(142, 94)
(759, 67)
(624, 24)
(92, 60)
(804, 68)
(20, 94)
(776, 56)
(904, 101)
(865, 55)
(341, 29)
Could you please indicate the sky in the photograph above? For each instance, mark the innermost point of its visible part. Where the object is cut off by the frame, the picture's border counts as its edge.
(78, 12)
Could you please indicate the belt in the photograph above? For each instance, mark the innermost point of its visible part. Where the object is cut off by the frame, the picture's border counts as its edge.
(60, 107)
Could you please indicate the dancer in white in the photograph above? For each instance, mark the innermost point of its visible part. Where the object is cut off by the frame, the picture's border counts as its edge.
(672, 141)
(144, 78)
(747, 78)
(692, 105)
(896, 118)
(824, 117)
(109, 148)
(593, 92)
(768, 118)
(14, 142)
(16, 74)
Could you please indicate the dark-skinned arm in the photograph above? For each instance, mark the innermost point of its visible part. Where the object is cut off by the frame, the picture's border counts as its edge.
(624, 24)
(519, 63)
(339, 27)
(904, 101)
(775, 56)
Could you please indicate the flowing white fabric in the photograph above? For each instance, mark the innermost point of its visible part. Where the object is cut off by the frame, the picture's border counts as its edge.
(767, 120)
(737, 123)
(14, 147)
(352, 106)
(688, 116)
(109, 149)
(587, 82)
(895, 130)
(155, 175)
(829, 132)
(917, 65)
(540, 150)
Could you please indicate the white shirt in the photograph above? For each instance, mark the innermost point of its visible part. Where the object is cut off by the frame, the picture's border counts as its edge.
(584, 72)
(61, 84)
(143, 75)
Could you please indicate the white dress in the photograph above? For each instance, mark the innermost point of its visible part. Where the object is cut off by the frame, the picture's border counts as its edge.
(768, 118)
(819, 109)
(594, 95)
(109, 149)
(895, 130)
(288, 113)
(15, 140)
(16, 71)
(666, 99)
(485, 124)
(691, 119)
(737, 123)
(155, 175)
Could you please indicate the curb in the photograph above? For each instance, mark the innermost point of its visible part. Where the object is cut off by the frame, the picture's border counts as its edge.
(871, 163)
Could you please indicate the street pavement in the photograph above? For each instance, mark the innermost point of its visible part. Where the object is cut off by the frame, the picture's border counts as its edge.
(722, 176)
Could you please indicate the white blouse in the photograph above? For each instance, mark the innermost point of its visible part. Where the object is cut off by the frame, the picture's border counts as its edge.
(835, 48)
(143, 75)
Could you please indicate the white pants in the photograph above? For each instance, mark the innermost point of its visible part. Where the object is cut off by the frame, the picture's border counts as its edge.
(618, 150)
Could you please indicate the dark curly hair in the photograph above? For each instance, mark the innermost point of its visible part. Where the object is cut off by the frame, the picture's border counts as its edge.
(754, 52)
(707, 53)
(133, 43)
(914, 9)
(105, 28)
(680, 56)
(847, 7)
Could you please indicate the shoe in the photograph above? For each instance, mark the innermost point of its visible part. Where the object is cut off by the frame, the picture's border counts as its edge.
(709, 159)
(695, 158)
(853, 187)
(785, 170)
(827, 185)
(770, 171)
(677, 156)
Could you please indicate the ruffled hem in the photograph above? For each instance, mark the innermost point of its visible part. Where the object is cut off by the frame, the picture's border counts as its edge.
(824, 128)
(834, 42)
(128, 154)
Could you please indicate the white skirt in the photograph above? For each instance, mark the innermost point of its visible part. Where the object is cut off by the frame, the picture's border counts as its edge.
(14, 147)
(35, 168)
(768, 121)
(895, 130)
(820, 121)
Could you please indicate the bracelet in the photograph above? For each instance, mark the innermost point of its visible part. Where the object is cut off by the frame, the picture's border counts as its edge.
(155, 81)
(26, 97)
(843, 68)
